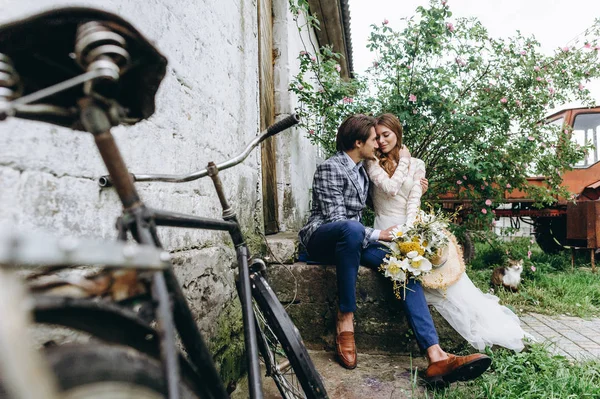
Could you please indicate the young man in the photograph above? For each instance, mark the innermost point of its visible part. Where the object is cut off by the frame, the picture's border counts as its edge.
(335, 235)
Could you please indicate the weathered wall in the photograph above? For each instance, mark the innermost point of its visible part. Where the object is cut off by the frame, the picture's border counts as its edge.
(297, 157)
(206, 110)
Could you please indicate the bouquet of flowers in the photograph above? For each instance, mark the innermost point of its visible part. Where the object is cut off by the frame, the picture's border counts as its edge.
(416, 248)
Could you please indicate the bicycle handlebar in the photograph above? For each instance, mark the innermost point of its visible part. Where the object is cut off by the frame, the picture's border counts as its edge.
(285, 123)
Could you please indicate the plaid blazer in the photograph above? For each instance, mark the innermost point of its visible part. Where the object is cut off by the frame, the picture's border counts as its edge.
(336, 196)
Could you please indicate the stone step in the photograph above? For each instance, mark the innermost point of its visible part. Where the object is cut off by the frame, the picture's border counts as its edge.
(309, 293)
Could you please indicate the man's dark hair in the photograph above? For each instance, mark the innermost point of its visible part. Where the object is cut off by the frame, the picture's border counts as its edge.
(355, 127)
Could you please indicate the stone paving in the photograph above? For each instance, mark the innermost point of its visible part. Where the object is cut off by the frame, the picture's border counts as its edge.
(572, 337)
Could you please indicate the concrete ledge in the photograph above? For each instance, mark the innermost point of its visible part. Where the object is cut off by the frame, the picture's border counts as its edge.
(283, 247)
(310, 294)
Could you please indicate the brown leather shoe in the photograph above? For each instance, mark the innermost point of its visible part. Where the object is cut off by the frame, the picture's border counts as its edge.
(346, 349)
(457, 368)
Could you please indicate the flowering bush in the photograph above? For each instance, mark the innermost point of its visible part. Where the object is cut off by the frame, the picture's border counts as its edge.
(470, 104)
(415, 249)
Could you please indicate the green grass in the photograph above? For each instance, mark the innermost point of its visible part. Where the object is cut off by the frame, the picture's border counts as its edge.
(554, 287)
(574, 293)
(534, 374)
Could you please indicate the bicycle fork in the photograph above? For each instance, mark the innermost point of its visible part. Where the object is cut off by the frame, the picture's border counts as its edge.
(245, 293)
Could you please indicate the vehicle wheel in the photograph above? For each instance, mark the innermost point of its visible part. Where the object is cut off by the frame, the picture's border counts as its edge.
(281, 347)
(550, 233)
(100, 371)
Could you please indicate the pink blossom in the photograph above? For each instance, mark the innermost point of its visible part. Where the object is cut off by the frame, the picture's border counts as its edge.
(493, 222)
(338, 67)
(408, 67)
(587, 45)
(488, 202)
(532, 241)
(348, 100)
(385, 22)
(518, 103)
(444, 2)
(530, 138)
(528, 254)
(503, 100)
(313, 58)
(565, 49)
(549, 80)
(375, 64)
(459, 182)
(566, 131)
(303, 52)
(538, 79)
(412, 98)
(597, 48)
(482, 187)
(311, 132)
(536, 68)
(450, 27)
(415, 111)
(533, 269)
(523, 52)
(484, 211)
(300, 87)
(551, 90)
(508, 185)
(581, 86)
(464, 177)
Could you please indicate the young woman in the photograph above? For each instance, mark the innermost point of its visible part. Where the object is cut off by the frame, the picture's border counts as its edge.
(396, 192)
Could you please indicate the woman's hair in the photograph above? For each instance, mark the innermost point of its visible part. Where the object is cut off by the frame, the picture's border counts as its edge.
(389, 161)
(356, 127)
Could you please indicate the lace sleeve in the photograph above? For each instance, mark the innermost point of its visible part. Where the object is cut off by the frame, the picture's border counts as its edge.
(414, 197)
(380, 178)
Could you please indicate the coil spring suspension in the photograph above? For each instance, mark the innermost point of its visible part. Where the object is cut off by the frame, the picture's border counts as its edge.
(10, 87)
(97, 47)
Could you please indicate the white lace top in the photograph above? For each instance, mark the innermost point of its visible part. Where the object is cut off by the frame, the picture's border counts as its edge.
(396, 199)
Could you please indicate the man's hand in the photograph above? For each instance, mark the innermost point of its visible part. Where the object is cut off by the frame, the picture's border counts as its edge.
(386, 235)
(404, 153)
(424, 184)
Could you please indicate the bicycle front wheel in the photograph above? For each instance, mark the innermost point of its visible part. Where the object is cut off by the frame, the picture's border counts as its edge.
(281, 348)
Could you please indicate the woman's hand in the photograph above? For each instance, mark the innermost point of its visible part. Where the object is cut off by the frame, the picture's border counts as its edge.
(424, 184)
(404, 153)
(386, 235)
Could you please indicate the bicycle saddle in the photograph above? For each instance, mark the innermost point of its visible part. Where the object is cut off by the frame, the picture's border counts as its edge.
(61, 44)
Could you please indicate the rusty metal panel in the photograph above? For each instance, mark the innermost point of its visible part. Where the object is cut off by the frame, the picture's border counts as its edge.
(577, 228)
(591, 224)
(596, 219)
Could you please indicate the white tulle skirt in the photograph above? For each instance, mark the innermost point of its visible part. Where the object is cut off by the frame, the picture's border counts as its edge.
(478, 317)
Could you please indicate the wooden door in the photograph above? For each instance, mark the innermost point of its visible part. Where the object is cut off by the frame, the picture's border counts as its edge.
(267, 115)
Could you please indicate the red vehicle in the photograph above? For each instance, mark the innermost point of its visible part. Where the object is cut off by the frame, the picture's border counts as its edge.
(564, 224)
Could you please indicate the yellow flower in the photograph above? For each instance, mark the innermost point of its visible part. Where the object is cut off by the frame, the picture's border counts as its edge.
(406, 247)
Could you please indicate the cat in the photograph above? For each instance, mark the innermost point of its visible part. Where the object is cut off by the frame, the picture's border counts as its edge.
(509, 276)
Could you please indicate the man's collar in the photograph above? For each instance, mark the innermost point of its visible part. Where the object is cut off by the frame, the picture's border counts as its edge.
(350, 162)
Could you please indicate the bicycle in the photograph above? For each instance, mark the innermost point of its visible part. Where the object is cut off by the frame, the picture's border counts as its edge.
(120, 71)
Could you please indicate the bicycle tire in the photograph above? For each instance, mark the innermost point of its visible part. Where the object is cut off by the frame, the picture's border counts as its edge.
(102, 371)
(286, 354)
